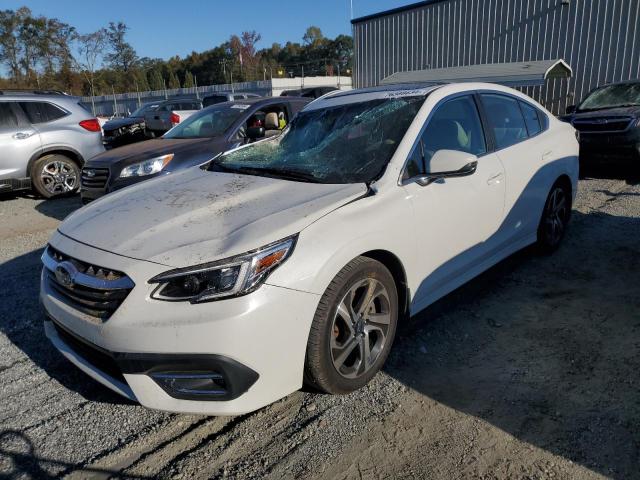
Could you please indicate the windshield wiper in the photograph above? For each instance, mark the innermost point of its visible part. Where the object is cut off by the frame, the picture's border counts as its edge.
(283, 173)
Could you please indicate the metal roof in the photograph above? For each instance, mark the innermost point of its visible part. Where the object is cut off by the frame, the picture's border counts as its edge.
(395, 10)
(515, 74)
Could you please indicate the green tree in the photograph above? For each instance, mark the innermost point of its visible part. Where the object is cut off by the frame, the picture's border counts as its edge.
(188, 80)
(122, 56)
(155, 80)
(173, 80)
(313, 37)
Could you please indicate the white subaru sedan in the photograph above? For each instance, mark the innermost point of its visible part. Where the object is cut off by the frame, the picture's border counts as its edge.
(292, 260)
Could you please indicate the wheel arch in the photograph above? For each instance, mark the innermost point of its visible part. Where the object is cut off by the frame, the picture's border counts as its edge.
(395, 266)
(565, 181)
(66, 151)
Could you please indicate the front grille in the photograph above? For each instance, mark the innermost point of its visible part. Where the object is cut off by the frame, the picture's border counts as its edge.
(94, 177)
(602, 124)
(97, 357)
(93, 290)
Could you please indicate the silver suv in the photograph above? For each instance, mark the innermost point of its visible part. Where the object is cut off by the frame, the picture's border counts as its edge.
(45, 137)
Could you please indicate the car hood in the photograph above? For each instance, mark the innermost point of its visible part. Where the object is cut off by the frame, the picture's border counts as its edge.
(619, 111)
(196, 216)
(121, 122)
(137, 152)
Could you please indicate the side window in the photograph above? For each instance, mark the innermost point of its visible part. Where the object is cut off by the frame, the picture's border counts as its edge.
(531, 119)
(8, 117)
(505, 118)
(455, 125)
(40, 112)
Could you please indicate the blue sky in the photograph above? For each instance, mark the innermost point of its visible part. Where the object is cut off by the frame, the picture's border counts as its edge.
(164, 28)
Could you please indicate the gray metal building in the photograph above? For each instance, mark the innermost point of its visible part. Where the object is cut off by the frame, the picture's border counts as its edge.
(599, 39)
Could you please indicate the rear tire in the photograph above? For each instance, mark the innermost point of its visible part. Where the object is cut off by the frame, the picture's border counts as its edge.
(353, 328)
(555, 218)
(54, 175)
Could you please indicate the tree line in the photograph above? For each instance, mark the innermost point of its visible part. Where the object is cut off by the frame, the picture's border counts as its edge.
(46, 53)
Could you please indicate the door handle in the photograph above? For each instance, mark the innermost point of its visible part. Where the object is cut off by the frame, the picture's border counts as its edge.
(22, 135)
(547, 154)
(495, 178)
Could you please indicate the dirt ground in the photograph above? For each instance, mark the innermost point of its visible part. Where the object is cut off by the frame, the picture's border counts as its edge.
(530, 371)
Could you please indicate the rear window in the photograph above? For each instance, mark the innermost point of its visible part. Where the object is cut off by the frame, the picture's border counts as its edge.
(41, 112)
(7, 116)
(505, 118)
(213, 99)
(531, 119)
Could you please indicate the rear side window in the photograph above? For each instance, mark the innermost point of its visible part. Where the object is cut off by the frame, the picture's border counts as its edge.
(41, 112)
(531, 119)
(7, 116)
(505, 118)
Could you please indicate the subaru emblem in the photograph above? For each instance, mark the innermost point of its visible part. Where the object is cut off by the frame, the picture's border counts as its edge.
(63, 276)
(91, 173)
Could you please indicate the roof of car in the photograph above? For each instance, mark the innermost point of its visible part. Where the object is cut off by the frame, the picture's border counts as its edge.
(266, 100)
(50, 97)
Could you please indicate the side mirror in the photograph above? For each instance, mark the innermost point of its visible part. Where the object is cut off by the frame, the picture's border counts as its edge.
(254, 133)
(570, 109)
(449, 164)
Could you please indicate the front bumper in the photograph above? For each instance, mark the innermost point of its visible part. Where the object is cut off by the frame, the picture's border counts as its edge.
(264, 332)
(610, 147)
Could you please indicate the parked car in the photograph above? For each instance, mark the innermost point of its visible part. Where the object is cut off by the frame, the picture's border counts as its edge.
(45, 138)
(193, 142)
(170, 113)
(311, 92)
(218, 290)
(226, 97)
(130, 129)
(608, 120)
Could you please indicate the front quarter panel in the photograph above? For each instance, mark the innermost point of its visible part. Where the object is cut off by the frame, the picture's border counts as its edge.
(373, 222)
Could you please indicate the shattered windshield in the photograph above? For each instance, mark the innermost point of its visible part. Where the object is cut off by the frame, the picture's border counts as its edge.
(611, 96)
(349, 143)
(210, 122)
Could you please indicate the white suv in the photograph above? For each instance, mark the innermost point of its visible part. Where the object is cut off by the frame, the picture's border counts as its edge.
(221, 289)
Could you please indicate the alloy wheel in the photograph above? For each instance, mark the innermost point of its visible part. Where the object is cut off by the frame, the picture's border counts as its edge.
(556, 216)
(58, 177)
(360, 328)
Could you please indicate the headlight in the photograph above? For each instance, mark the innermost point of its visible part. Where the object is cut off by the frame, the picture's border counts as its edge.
(231, 277)
(148, 167)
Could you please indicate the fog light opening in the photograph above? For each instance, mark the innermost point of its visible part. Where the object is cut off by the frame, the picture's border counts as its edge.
(192, 383)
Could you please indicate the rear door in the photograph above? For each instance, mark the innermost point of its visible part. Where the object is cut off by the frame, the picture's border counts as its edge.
(510, 120)
(19, 141)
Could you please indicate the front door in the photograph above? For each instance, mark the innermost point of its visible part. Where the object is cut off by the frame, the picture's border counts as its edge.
(455, 219)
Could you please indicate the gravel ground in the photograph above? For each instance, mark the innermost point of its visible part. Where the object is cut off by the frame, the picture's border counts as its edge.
(529, 371)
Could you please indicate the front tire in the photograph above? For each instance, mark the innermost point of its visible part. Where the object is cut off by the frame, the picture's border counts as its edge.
(55, 175)
(353, 328)
(555, 218)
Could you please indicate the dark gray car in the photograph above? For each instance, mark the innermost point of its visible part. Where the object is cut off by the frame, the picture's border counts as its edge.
(199, 138)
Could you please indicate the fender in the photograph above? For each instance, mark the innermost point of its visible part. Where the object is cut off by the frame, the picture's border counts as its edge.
(73, 153)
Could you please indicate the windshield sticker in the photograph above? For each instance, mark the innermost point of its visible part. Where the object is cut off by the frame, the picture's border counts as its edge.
(240, 106)
(408, 93)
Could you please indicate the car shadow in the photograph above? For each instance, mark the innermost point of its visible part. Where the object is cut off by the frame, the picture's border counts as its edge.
(543, 347)
(59, 208)
(21, 321)
(630, 174)
(18, 457)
